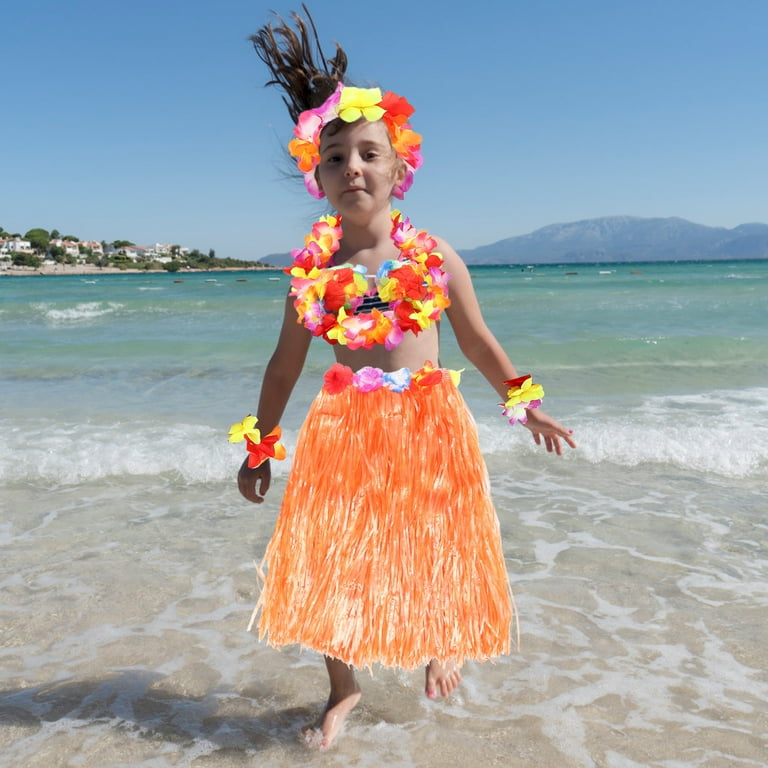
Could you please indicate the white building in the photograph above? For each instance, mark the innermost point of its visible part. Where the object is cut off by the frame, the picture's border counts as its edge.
(94, 246)
(70, 246)
(18, 246)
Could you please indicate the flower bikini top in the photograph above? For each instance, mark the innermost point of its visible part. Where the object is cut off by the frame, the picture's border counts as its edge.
(336, 302)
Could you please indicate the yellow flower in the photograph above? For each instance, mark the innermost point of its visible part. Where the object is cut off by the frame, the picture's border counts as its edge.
(301, 273)
(523, 390)
(360, 102)
(456, 376)
(243, 429)
(423, 313)
(388, 289)
(337, 333)
(360, 281)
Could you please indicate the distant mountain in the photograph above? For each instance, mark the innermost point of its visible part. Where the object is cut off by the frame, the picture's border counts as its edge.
(615, 239)
(625, 238)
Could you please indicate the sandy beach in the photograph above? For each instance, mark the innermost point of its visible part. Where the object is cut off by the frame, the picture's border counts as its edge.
(91, 269)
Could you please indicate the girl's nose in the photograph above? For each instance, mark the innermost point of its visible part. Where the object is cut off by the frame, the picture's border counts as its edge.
(353, 168)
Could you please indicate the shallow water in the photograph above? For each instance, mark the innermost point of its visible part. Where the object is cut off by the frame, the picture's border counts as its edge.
(639, 562)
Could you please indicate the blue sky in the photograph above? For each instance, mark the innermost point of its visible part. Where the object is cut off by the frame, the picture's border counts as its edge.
(148, 120)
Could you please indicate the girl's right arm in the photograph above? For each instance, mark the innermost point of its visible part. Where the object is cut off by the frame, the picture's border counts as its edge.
(280, 377)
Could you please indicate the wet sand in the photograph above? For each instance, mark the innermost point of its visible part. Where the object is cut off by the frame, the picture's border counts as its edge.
(642, 635)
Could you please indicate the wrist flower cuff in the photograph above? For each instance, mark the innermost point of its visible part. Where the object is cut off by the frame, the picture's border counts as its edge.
(259, 449)
(522, 395)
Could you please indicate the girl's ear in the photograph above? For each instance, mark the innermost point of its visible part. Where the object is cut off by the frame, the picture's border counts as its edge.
(317, 179)
(400, 172)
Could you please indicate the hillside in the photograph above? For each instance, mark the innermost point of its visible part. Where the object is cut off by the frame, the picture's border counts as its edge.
(616, 239)
(625, 238)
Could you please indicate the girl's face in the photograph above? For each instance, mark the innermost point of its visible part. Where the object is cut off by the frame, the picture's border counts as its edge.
(358, 167)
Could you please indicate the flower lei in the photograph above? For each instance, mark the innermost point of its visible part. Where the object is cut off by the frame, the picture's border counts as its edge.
(326, 298)
(523, 395)
(351, 104)
(259, 449)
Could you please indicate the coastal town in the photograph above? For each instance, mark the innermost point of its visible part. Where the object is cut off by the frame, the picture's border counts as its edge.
(39, 251)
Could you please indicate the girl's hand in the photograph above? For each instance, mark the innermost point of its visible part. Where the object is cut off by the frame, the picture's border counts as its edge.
(545, 426)
(254, 483)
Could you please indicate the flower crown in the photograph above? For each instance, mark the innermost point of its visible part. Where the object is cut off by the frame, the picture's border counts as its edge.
(350, 104)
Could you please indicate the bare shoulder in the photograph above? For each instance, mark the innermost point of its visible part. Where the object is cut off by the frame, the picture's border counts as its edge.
(459, 278)
(453, 263)
(447, 251)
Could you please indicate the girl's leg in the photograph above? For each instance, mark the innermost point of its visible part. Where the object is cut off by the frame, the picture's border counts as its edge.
(345, 693)
(441, 678)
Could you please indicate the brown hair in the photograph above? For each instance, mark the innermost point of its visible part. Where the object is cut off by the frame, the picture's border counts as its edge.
(296, 61)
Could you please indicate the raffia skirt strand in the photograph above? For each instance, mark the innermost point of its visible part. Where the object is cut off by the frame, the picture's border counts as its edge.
(387, 546)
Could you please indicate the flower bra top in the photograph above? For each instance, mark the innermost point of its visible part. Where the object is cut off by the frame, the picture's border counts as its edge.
(337, 303)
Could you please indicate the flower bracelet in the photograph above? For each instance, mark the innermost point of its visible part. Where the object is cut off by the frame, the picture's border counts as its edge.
(522, 395)
(259, 450)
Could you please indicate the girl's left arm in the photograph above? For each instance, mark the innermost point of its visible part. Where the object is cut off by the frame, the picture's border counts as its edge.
(482, 349)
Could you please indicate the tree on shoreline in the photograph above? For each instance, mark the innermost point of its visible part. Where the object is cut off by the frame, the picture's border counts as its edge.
(26, 260)
(39, 239)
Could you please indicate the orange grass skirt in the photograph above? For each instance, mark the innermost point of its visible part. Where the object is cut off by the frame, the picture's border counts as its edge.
(387, 547)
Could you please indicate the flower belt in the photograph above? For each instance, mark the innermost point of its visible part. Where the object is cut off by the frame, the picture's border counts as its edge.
(368, 379)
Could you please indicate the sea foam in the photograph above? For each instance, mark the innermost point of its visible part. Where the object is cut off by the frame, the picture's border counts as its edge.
(79, 313)
(718, 432)
(696, 433)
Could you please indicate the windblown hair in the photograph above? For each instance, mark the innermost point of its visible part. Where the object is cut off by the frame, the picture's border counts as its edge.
(296, 61)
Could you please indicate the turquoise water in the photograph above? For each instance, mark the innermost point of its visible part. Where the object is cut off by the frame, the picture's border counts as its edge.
(639, 561)
(613, 346)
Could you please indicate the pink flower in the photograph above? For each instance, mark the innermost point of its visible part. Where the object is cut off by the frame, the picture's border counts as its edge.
(394, 337)
(516, 413)
(368, 379)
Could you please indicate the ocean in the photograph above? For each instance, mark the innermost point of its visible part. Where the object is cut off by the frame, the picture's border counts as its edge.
(639, 561)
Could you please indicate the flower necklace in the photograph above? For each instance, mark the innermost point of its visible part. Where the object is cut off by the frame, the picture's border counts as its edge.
(326, 297)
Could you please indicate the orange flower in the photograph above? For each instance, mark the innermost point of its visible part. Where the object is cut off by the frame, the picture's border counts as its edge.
(383, 325)
(407, 144)
(305, 152)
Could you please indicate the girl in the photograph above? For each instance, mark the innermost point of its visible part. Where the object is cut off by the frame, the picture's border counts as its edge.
(387, 547)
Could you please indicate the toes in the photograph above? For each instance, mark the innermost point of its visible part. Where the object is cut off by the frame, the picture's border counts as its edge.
(444, 679)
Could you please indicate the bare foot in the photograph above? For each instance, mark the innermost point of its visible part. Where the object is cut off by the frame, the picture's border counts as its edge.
(345, 693)
(442, 678)
(326, 729)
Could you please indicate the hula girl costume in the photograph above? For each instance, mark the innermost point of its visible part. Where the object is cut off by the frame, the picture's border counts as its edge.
(387, 547)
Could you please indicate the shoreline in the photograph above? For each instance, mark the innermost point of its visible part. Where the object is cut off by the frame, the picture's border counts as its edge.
(48, 270)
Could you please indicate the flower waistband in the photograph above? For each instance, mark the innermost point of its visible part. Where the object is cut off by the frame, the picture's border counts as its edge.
(368, 379)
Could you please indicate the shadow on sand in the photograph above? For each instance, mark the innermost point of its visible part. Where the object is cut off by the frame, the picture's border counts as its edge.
(143, 703)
